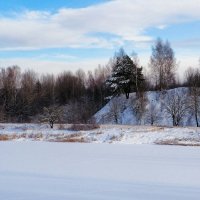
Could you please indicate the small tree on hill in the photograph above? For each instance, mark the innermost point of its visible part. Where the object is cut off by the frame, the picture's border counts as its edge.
(163, 65)
(138, 105)
(176, 106)
(152, 113)
(116, 108)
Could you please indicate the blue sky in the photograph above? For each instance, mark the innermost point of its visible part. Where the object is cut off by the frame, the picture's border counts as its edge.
(52, 5)
(57, 35)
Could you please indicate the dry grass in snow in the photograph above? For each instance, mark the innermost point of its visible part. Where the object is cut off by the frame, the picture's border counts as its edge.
(102, 134)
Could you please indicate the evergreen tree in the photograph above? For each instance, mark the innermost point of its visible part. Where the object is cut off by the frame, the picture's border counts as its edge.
(126, 76)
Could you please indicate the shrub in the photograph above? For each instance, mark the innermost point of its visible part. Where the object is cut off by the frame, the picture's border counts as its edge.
(84, 127)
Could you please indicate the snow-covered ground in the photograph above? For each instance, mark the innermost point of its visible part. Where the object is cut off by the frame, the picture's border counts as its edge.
(32, 169)
(122, 134)
(57, 171)
(125, 110)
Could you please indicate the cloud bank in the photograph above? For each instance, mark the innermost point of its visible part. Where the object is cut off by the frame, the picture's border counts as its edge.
(100, 26)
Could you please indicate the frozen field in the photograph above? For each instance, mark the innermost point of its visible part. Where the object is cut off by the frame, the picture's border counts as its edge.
(57, 171)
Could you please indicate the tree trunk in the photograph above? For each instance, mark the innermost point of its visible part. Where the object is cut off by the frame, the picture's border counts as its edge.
(152, 121)
(127, 95)
(196, 118)
(174, 122)
(51, 124)
(116, 119)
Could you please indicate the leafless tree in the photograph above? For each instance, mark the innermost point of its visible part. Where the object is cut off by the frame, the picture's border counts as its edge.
(95, 86)
(138, 104)
(10, 83)
(51, 115)
(152, 115)
(193, 81)
(48, 89)
(176, 106)
(136, 61)
(28, 82)
(163, 65)
(116, 107)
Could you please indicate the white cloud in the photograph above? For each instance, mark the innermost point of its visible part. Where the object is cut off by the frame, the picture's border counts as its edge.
(161, 27)
(40, 65)
(190, 43)
(55, 67)
(127, 19)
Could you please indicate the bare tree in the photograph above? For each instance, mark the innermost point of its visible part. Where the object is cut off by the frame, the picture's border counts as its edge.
(51, 115)
(163, 65)
(48, 89)
(193, 81)
(116, 108)
(10, 84)
(176, 105)
(152, 113)
(136, 61)
(138, 104)
(28, 82)
(95, 86)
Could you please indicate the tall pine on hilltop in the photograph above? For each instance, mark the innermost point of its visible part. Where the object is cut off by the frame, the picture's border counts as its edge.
(126, 76)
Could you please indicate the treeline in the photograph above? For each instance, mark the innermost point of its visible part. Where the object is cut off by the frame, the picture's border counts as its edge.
(24, 95)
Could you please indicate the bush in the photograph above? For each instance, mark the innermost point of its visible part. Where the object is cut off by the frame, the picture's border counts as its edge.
(84, 127)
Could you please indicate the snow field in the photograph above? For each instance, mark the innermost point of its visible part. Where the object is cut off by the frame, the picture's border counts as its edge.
(43, 170)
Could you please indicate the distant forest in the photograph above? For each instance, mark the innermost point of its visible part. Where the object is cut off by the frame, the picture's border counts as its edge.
(75, 97)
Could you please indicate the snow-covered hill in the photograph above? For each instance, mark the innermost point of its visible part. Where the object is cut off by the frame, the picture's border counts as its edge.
(126, 110)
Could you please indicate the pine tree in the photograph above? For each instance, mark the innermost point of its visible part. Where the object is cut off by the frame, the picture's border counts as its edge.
(126, 76)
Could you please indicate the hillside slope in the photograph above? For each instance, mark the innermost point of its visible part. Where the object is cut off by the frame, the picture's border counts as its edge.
(122, 111)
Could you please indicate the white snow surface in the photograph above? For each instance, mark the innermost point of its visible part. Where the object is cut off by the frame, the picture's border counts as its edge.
(57, 171)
